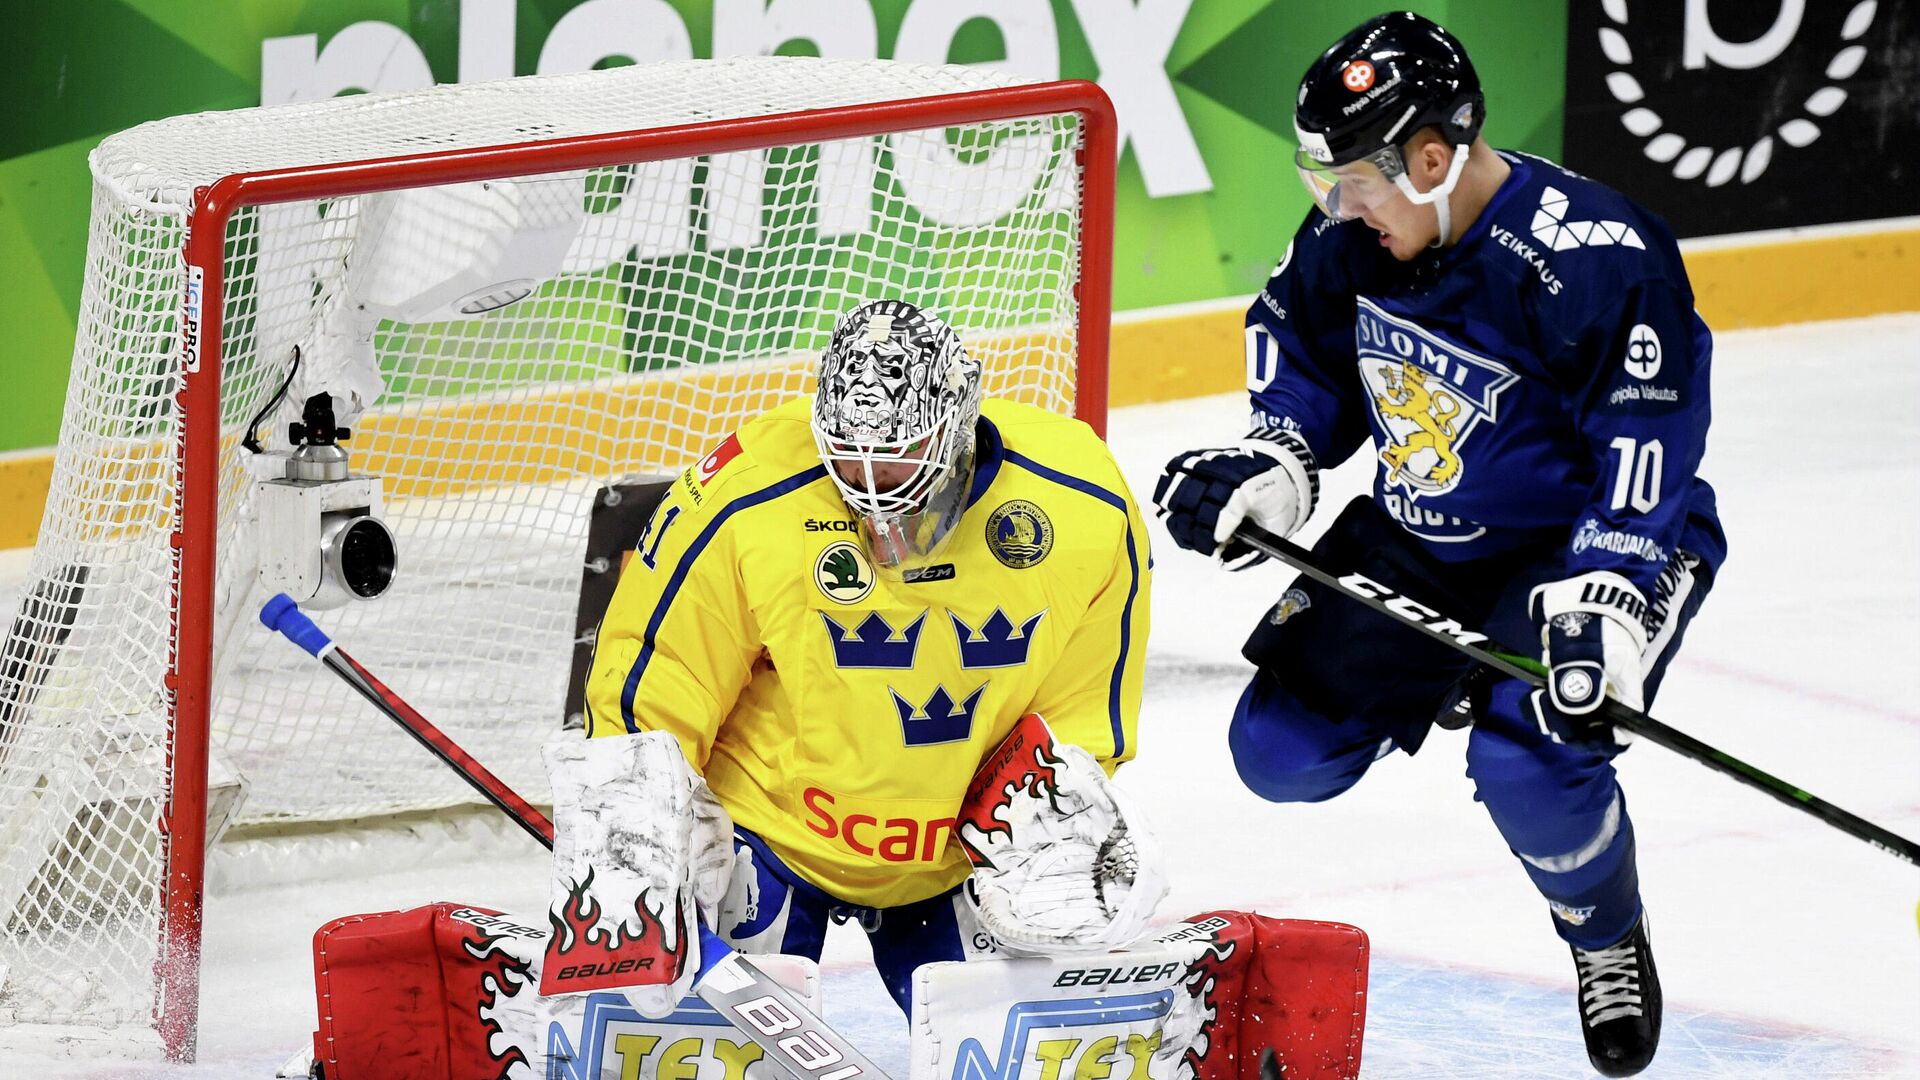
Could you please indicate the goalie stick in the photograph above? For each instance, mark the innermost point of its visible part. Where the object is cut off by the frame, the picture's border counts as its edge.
(792, 1036)
(1440, 627)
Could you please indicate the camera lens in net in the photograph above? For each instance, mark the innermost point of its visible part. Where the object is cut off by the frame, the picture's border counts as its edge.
(367, 557)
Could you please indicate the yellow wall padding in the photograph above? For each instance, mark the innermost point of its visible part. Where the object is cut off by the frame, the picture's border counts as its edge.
(1194, 352)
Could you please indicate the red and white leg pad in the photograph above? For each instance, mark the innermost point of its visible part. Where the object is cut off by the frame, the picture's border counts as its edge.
(1199, 1002)
(448, 992)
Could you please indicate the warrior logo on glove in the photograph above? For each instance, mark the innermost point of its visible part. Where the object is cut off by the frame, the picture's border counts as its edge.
(1572, 624)
(1576, 687)
(589, 953)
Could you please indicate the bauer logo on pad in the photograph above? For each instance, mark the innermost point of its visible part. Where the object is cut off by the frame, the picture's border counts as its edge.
(593, 950)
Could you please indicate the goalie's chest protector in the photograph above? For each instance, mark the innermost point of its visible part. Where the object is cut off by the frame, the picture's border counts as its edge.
(870, 699)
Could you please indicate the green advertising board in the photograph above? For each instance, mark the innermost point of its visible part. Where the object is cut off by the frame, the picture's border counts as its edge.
(1207, 193)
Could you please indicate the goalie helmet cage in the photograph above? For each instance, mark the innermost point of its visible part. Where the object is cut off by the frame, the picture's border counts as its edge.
(531, 287)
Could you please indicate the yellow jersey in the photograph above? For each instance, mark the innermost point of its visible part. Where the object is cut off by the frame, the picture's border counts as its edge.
(839, 714)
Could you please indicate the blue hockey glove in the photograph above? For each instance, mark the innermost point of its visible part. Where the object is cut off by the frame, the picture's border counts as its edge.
(1204, 495)
(1593, 631)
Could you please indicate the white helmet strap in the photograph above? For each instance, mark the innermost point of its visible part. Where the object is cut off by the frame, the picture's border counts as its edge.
(1439, 196)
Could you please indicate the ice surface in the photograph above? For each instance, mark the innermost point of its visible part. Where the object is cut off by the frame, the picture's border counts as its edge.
(1785, 947)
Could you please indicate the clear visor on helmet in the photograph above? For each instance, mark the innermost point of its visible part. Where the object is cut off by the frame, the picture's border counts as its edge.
(1344, 192)
(908, 494)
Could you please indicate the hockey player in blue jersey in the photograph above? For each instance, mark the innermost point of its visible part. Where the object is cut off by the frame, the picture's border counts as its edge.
(1520, 344)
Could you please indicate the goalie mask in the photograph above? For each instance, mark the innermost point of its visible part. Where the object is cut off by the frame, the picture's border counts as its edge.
(893, 416)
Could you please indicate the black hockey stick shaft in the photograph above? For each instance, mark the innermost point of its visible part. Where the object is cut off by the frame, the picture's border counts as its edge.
(1438, 626)
(32, 646)
(786, 1028)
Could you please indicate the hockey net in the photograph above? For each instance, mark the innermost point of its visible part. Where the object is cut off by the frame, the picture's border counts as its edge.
(532, 287)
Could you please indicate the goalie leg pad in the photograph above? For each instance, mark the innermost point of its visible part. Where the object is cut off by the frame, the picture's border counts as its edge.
(1203, 1001)
(1304, 997)
(447, 992)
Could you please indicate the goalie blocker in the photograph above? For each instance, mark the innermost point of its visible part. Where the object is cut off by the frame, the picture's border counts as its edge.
(448, 992)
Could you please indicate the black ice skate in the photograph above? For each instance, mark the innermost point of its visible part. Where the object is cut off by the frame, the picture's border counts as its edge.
(1620, 1003)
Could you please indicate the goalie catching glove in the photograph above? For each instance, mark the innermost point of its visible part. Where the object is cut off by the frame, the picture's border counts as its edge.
(1062, 859)
(641, 850)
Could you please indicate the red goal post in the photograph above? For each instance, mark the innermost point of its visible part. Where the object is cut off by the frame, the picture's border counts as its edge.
(198, 536)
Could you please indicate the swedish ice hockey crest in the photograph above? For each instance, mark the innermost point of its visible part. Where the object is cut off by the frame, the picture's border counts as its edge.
(1019, 533)
(842, 573)
(1428, 395)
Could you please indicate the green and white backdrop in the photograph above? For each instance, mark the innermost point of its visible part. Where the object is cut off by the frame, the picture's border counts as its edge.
(1726, 116)
(1207, 195)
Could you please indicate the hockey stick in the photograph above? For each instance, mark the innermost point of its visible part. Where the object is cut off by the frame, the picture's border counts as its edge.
(1439, 627)
(790, 1033)
(40, 629)
(282, 615)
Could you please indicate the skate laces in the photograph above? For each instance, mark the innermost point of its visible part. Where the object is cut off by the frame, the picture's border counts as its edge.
(1609, 982)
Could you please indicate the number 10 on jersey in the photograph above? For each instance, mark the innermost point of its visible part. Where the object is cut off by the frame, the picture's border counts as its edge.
(1636, 479)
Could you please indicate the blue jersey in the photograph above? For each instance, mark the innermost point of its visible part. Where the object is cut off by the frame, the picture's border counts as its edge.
(1543, 380)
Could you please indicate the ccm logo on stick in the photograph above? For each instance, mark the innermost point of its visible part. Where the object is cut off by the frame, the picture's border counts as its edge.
(1362, 585)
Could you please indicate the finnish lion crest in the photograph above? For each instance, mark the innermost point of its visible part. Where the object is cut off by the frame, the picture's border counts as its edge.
(1427, 395)
(1292, 602)
(1432, 413)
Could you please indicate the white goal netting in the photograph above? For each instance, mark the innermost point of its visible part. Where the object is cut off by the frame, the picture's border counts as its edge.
(515, 341)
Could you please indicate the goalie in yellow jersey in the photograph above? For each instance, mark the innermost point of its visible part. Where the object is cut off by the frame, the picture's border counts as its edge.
(851, 612)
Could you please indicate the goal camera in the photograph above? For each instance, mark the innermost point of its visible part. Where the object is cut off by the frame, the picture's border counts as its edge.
(321, 538)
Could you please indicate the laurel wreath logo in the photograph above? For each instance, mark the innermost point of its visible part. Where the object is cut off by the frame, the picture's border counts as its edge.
(1718, 165)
